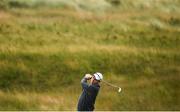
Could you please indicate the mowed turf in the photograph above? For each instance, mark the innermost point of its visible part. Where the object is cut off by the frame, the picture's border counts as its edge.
(45, 52)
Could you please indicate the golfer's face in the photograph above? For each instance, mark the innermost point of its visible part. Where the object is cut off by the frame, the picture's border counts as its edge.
(93, 80)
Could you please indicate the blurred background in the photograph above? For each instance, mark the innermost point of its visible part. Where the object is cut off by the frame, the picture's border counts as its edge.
(46, 47)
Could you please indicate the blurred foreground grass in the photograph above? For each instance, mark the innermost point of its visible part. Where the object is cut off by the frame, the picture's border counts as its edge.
(45, 51)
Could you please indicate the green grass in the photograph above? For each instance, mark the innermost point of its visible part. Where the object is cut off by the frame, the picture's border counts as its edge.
(46, 50)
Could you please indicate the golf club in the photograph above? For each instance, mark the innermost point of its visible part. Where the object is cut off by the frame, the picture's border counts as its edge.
(112, 85)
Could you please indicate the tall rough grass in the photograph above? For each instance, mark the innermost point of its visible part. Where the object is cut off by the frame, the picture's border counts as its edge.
(45, 53)
(95, 5)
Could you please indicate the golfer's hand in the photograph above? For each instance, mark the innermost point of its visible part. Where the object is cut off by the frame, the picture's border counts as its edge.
(88, 76)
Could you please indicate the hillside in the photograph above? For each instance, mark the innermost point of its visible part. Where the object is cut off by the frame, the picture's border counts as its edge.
(46, 47)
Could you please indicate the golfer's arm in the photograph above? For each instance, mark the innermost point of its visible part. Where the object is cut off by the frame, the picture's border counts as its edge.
(84, 83)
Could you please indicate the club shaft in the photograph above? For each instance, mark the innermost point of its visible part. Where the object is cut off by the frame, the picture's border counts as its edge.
(110, 84)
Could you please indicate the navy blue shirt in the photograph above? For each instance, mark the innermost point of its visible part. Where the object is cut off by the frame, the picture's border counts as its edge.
(88, 96)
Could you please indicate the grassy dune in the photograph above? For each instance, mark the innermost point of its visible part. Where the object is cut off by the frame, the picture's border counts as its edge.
(46, 50)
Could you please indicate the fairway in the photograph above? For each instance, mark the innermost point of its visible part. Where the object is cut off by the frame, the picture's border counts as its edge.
(47, 47)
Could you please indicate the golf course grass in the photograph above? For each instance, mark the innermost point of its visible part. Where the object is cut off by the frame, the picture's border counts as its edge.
(47, 47)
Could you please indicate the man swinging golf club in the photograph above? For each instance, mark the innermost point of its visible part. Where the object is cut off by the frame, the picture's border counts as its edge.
(89, 91)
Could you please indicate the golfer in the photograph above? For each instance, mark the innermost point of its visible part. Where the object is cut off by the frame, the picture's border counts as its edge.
(89, 92)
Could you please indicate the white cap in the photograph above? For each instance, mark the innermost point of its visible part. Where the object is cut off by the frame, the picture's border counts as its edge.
(98, 76)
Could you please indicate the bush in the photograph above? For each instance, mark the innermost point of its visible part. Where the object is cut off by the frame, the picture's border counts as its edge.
(115, 2)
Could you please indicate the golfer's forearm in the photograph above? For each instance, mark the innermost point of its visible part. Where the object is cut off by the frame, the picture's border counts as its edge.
(84, 83)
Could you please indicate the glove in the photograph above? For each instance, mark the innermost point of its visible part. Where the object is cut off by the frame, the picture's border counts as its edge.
(88, 76)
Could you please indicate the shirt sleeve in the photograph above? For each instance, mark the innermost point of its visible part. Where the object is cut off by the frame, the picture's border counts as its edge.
(84, 83)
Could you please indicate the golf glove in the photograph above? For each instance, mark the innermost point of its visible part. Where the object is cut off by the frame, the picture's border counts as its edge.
(88, 76)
